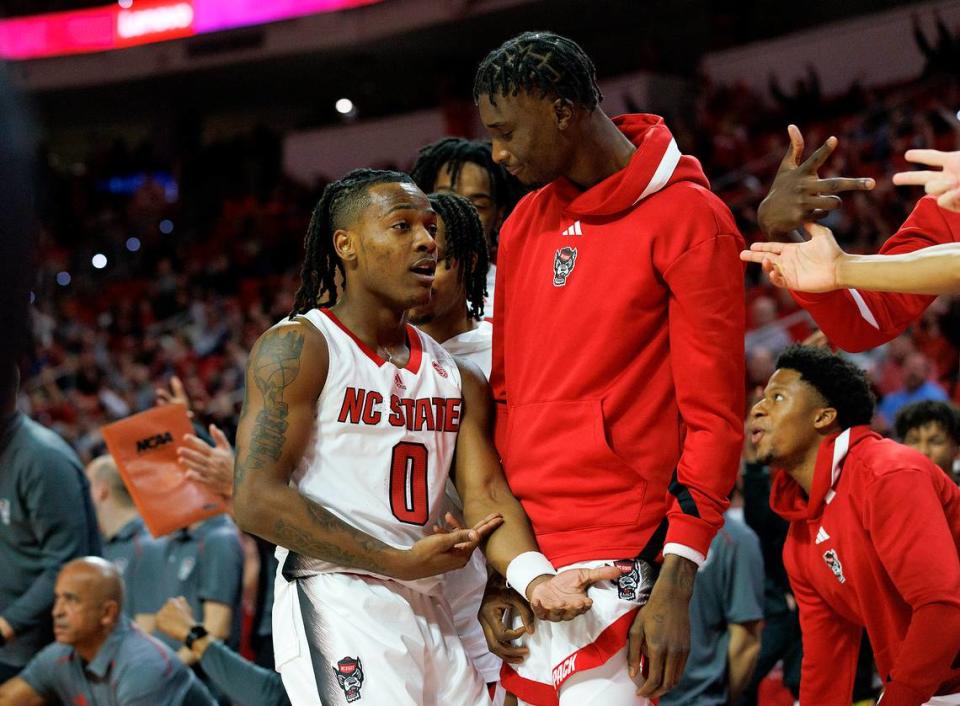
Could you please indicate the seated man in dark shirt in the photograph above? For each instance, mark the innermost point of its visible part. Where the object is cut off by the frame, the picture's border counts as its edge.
(100, 657)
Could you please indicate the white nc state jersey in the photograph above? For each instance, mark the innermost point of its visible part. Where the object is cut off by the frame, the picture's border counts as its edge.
(383, 442)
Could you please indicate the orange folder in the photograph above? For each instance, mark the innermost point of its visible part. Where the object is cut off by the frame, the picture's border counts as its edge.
(144, 447)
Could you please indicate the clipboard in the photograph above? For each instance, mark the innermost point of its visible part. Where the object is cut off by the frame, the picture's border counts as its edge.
(144, 447)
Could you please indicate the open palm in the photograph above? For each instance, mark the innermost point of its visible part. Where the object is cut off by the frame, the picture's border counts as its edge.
(810, 266)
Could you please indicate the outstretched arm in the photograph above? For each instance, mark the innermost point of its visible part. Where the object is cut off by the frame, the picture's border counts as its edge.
(484, 490)
(819, 265)
(285, 375)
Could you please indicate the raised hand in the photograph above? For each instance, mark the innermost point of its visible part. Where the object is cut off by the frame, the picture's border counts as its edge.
(448, 549)
(943, 183)
(177, 394)
(564, 596)
(210, 465)
(500, 604)
(798, 194)
(810, 266)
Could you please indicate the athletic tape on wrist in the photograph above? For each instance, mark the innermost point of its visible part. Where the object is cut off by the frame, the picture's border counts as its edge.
(525, 568)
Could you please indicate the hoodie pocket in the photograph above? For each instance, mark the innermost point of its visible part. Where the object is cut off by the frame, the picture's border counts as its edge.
(563, 469)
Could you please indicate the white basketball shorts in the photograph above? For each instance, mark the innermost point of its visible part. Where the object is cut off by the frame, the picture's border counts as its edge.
(349, 639)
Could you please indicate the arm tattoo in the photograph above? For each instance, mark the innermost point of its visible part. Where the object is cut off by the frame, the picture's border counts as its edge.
(369, 552)
(275, 366)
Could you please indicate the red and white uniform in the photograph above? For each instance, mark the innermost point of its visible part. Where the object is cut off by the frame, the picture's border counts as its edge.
(875, 546)
(379, 460)
(464, 588)
(856, 321)
(618, 361)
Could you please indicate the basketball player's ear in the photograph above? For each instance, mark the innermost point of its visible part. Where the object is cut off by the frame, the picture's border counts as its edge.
(345, 244)
(825, 418)
(563, 113)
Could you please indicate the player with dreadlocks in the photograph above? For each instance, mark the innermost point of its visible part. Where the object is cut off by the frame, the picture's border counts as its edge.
(454, 318)
(617, 367)
(466, 167)
(346, 440)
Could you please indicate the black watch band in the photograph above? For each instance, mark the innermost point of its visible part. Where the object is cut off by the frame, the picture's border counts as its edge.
(196, 632)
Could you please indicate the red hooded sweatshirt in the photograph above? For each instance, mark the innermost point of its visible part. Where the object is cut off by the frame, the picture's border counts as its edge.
(618, 356)
(855, 320)
(874, 546)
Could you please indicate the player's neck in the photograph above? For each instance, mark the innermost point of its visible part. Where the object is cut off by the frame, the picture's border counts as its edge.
(87, 650)
(803, 467)
(370, 321)
(602, 151)
(446, 326)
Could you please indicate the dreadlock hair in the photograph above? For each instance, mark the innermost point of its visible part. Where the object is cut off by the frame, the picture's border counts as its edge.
(539, 61)
(922, 413)
(340, 204)
(841, 383)
(455, 152)
(464, 242)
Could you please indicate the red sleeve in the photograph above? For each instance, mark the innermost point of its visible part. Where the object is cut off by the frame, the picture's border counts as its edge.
(916, 546)
(706, 326)
(857, 320)
(831, 646)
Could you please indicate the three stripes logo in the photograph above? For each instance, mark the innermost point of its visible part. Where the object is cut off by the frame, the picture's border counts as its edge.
(822, 536)
(575, 229)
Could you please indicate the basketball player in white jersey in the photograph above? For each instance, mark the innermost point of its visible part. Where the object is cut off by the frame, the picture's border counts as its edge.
(454, 318)
(351, 424)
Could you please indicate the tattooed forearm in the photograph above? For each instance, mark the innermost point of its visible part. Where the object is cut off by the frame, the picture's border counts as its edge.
(275, 365)
(351, 548)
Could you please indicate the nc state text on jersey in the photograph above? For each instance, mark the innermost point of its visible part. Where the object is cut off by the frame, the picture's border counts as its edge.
(362, 406)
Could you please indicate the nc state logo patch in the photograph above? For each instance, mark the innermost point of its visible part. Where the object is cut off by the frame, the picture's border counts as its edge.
(349, 673)
(564, 261)
(439, 368)
(635, 581)
(833, 561)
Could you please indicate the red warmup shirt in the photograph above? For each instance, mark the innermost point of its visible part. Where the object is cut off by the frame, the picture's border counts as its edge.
(618, 356)
(855, 320)
(875, 546)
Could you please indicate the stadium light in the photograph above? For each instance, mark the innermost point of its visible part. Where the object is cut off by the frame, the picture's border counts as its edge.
(344, 106)
(63, 278)
(99, 261)
(133, 244)
(166, 226)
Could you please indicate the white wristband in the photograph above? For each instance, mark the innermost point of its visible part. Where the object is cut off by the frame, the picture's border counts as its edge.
(524, 568)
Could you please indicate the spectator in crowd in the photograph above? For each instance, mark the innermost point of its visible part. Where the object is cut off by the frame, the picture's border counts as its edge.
(726, 620)
(859, 556)
(765, 331)
(917, 386)
(244, 683)
(933, 429)
(122, 531)
(204, 563)
(46, 519)
(100, 658)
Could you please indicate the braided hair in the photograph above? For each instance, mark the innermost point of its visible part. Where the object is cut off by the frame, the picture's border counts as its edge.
(340, 204)
(455, 152)
(464, 242)
(541, 62)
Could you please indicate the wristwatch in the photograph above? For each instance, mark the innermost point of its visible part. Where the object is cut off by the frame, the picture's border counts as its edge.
(196, 632)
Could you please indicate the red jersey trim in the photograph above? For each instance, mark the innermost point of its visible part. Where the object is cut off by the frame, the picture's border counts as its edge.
(413, 340)
(607, 644)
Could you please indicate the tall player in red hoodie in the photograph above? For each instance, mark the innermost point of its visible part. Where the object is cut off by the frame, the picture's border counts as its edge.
(617, 365)
(873, 540)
